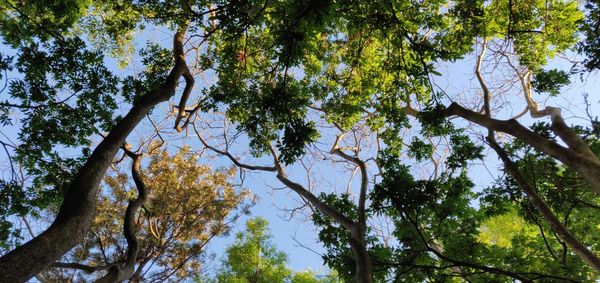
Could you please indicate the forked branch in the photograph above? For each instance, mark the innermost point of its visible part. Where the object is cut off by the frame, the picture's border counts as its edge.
(577, 158)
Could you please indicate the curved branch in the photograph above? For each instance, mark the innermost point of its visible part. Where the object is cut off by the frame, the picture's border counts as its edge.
(310, 197)
(486, 90)
(490, 269)
(364, 268)
(25, 106)
(84, 267)
(521, 114)
(323, 207)
(189, 84)
(363, 183)
(559, 127)
(231, 157)
(566, 134)
(119, 273)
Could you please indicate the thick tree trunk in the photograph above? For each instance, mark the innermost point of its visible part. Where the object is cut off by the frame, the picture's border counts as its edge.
(364, 266)
(77, 210)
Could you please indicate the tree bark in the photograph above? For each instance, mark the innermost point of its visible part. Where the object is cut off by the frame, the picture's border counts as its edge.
(77, 210)
(364, 266)
(123, 272)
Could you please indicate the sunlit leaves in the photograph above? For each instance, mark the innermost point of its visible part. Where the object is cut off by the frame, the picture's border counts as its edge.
(188, 205)
(539, 29)
(501, 229)
(358, 64)
(426, 213)
(253, 258)
(563, 191)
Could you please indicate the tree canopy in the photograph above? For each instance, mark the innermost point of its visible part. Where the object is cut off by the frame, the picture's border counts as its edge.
(358, 107)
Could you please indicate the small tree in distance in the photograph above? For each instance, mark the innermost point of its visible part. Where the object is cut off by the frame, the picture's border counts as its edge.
(188, 204)
(254, 259)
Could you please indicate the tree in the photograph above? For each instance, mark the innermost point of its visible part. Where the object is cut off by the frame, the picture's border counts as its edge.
(64, 96)
(253, 258)
(367, 77)
(187, 205)
(357, 76)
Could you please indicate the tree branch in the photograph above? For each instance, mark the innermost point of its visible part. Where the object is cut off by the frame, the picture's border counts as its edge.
(363, 183)
(87, 268)
(587, 166)
(119, 273)
(563, 233)
(484, 88)
(231, 157)
(189, 84)
(310, 197)
(494, 270)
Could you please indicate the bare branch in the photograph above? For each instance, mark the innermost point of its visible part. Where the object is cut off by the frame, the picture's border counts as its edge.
(364, 179)
(231, 157)
(588, 166)
(87, 268)
(189, 84)
(316, 202)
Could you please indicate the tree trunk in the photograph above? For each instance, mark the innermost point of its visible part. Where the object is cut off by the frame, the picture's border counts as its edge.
(77, 210)
(364, 266)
